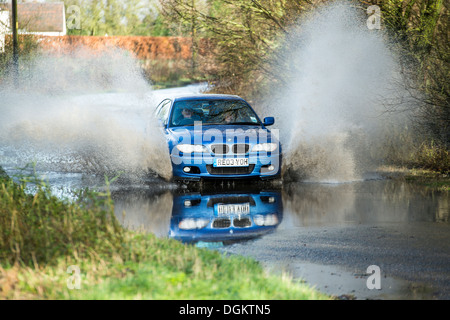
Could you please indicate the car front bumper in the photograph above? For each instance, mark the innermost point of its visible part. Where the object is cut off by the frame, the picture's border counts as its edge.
(201, 166)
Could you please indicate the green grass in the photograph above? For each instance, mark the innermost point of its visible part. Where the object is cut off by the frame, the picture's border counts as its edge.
(3, 173)
(176, 271)
(432, 179)
(39, 228)
(41, 236)
(172, 84)
(429, 178)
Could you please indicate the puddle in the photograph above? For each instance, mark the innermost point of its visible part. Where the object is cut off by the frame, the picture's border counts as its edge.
(345, 285)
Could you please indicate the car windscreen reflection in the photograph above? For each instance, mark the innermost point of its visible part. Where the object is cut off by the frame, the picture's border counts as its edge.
(224, 218)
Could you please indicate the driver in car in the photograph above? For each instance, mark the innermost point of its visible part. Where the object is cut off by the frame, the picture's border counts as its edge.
(188, 116)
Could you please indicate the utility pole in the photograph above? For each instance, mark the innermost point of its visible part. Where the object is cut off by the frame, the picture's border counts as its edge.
(194, 42)
(15, 28)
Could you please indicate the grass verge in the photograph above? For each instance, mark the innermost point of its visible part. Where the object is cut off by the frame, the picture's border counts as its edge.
(429, 178)
(43, 237)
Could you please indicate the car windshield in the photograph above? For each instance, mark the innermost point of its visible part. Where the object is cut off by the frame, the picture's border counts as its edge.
(209, 112)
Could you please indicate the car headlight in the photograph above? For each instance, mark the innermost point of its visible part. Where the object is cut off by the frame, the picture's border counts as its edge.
(190, 148)
(265, 220)
(191, 223)
(267, 147)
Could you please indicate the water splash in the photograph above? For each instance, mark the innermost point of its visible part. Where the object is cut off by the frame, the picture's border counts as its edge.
(82, 111)
(338, 77)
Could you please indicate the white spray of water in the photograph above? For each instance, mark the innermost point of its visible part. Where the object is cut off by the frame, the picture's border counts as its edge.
(339, 72)
(57, 117)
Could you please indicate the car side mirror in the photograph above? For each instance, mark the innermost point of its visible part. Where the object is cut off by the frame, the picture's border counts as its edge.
(268, 121)
(162, 123)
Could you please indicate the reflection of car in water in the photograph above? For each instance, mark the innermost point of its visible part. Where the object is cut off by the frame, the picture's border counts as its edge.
(225, 217)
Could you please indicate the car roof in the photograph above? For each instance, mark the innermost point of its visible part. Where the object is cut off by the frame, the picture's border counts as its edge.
(208, 96)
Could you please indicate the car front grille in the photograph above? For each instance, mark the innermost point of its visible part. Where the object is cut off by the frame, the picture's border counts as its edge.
(220, 148)
(230, 170)
(221, 223)
(238, 148)
(238, 222)
(244, 222)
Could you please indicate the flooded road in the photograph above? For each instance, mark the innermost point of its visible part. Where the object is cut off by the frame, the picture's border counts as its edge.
(325, 233)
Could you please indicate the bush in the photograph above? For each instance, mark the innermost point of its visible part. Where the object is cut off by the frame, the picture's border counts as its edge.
(434, 157)
(40, 228)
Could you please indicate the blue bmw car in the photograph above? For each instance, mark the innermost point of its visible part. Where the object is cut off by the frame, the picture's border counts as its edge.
(214, 136)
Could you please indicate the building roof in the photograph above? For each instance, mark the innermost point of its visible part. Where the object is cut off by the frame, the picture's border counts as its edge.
(39, 17)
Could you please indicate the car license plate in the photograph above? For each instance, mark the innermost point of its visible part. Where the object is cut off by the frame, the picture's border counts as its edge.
(231, 162)
(230, 209)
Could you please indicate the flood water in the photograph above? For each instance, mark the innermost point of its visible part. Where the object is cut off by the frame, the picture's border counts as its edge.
(271, 208)
(325, 233)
